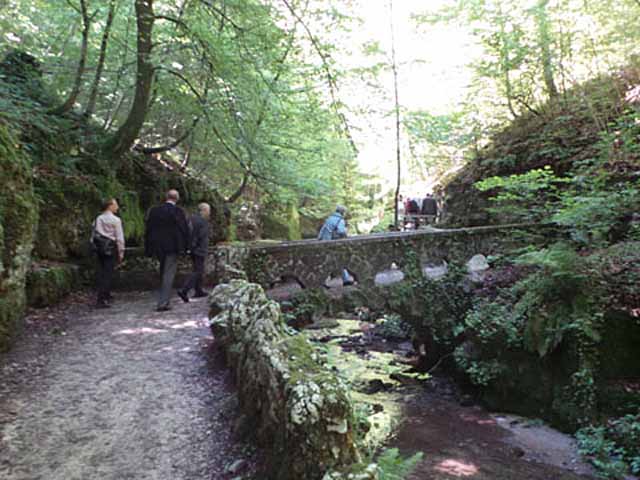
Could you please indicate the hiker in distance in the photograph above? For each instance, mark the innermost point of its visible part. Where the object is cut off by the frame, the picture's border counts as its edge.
(166, 237)
(199, 249)
(334, 228)
(429, 209)
(107, 241)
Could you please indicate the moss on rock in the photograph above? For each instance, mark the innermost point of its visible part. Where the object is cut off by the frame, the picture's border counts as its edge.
(302, 411)
(47, 284)
(18, 220)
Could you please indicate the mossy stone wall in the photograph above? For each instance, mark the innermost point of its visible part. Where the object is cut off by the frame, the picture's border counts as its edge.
(18, 222)
(300, 411)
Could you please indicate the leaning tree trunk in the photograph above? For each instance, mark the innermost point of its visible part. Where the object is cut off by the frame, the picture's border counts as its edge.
(75, 91)
(128, 132)
(93, 94)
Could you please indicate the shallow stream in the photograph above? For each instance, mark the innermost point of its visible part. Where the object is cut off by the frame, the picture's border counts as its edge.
(421, 413)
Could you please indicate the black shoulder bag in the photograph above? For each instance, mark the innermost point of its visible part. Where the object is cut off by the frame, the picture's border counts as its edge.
(101, 244)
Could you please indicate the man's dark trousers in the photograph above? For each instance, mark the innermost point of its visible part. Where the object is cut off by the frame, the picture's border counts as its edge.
(106, 266)
(168, 266)
(195, 279)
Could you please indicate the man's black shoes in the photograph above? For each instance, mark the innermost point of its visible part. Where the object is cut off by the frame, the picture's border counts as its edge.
(200, 294)
(183, 295)
(164, 308)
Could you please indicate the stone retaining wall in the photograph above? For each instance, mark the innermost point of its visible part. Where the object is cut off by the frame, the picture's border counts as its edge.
(300, 411)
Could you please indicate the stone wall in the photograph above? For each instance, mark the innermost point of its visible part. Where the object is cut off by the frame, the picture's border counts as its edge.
(18, 221)
(300, 411)
(312, 262)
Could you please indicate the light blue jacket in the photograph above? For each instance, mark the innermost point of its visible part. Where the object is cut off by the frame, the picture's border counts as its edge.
(334, 227)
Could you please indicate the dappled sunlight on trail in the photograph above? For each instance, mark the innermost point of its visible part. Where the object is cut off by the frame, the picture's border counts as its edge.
(456, 468)
(124, 393)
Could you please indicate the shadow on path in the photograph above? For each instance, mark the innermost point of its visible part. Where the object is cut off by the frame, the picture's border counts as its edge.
(125, 393)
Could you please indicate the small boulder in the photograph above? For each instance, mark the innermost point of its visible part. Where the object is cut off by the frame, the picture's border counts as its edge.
(477, 268)
(435, 272)
(388, 277)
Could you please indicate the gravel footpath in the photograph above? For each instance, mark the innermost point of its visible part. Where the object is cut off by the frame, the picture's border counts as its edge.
(124, 393)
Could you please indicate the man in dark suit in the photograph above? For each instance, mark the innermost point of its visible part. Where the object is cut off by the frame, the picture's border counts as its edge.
(199, 250)
(167, 236)
(429, 208)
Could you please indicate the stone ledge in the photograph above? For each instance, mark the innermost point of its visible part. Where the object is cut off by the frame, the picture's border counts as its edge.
(300, 411)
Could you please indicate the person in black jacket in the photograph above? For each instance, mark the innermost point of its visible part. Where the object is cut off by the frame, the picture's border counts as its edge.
(199, 250)
(430, 208)
(166, 236)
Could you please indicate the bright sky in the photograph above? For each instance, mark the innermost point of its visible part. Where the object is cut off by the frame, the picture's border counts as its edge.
(432, 74)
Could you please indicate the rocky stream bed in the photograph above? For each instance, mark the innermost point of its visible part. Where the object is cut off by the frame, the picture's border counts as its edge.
(421, 413)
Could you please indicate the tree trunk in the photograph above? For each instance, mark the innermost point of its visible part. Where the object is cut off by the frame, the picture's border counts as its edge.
(544, 39)
(75, 91)
(93, 95)
(394, 68)
(129, 130)
(505, 61)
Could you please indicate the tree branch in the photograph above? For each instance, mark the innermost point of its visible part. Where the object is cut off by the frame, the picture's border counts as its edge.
(75, 91)
(169, 146)
(93, 95)
(333, 87)
(222, 14)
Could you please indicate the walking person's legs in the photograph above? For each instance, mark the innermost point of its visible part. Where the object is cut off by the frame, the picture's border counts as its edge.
(194, 280)
(106, 265)
(168, 265)
(198, 268)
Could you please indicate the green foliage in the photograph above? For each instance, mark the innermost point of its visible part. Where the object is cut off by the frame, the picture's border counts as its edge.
(393, 467)
(242, 71)
(614, 449)
(494, 330)
(307, 306)
(523, 197)
(550, 298)
(593, 203)
(433, 308)
(393, 327)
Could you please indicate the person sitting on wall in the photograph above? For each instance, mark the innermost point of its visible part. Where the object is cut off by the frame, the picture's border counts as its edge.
(199, 250)
(107, 241)
(334, 228)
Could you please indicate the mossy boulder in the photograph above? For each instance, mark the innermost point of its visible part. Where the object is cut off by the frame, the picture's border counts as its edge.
(47, 284)
(18, 221)
(300, 410)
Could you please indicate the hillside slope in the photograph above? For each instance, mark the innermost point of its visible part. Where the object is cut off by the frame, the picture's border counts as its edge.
(593, 125)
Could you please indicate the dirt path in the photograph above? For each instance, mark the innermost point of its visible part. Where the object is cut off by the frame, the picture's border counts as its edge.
(125, 393)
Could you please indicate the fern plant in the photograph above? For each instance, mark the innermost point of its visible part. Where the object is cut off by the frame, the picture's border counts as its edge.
(392, 466)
